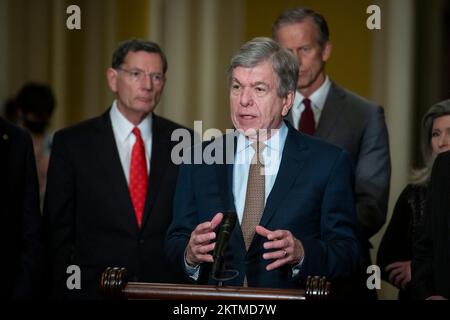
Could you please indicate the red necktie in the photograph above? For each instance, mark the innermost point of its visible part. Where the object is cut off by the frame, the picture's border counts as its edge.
(138, 176)
(307, 124)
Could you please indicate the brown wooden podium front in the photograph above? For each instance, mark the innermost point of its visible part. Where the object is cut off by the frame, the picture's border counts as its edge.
(114, 286)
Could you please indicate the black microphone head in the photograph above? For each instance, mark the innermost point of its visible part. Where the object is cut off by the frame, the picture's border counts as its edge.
(228, 221)
(223, 236)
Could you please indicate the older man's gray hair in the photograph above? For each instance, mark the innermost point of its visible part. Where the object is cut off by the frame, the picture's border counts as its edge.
(261, 49)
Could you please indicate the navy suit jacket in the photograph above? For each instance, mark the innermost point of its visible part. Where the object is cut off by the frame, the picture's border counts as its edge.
(312, 197)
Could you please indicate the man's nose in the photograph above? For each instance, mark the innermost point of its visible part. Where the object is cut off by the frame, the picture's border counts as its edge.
(147, 82)
(246, 98)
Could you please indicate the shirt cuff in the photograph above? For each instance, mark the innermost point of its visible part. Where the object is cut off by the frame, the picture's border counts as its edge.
(192, 271)
(296, 268)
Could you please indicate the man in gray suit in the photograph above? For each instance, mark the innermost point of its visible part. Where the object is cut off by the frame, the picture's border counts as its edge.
(328, 111)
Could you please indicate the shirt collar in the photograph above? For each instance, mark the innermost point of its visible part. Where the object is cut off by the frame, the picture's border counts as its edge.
(123, 128)
(318, 98)
(275, 143)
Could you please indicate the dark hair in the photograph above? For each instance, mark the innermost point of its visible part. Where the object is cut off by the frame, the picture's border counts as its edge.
(136, 45)
(297, 15)
(11, 110)
(263, 49)
(37, 99)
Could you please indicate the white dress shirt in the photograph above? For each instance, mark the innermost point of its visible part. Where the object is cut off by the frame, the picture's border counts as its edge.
(318, 99)
(272, 155)
(125, 139)
(271, 158)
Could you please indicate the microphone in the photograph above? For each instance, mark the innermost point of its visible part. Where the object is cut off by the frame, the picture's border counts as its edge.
(225, 229)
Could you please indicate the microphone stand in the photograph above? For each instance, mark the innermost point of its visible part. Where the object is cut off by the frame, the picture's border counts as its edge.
(218, 272)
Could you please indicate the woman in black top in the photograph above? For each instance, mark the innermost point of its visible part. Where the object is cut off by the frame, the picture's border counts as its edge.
(396, 249)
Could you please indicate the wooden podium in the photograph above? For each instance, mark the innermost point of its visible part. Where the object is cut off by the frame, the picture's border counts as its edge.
(113, 284)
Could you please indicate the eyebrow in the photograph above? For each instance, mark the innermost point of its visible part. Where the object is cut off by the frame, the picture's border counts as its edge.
(233, 79)
(257, 83)
(141, 70)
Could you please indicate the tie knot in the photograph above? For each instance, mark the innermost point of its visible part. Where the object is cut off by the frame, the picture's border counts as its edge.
(258, 158)
(137, 132)
(258, 146)
(307, 103)
(307, 123)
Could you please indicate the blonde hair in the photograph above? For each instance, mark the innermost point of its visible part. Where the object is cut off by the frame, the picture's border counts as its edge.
(422, 176)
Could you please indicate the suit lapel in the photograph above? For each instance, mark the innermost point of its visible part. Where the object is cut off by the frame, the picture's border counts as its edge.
(290, 118)
(106, 148)
(237, 236)
(294, 155)
(231, 146)
(331, 111)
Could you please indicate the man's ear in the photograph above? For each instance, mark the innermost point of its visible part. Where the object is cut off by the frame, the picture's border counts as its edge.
(326, 52)
(288, 102)
(111, 75)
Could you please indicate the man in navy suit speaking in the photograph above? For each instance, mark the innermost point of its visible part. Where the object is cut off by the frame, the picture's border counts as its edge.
(293, 194)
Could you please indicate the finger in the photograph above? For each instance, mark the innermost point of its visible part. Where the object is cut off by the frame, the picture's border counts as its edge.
(199, 254)
(216, 220)
(279, 254)
(436, 298)
(393, 266)
(277, 263)
(393, 274)
(206, 249)
(209, 225)
(405, 282)
(271, 235)
(201, 239)
(277, 244)
(278, 234)
(205, 258)
(398, 280)
(203, 227)
(262, 231)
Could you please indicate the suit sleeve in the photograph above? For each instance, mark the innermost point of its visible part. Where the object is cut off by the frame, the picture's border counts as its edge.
(372, 175)
(396, 244)
(183, 223)
(59, 216)
(336, 253)
(28, 278)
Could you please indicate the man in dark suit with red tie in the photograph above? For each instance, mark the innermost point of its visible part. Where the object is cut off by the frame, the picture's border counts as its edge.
(327, 111)
(111, 181)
